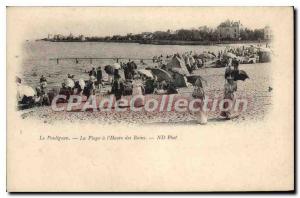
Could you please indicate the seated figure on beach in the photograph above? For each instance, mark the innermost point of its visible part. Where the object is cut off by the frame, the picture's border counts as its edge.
(171, 88)
(128, 86)
(42, 95)
(89, 88)
(66, 91)
(77, 90)
(150, 84)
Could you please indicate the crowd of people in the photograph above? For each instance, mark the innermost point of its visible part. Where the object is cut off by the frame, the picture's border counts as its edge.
(125, 79)
(134, 83)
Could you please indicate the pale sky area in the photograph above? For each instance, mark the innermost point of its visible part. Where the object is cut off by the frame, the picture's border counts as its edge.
(37, 22)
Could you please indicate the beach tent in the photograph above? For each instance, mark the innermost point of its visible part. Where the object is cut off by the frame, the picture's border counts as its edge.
(177, 63)
(161, 74)
(179, 79)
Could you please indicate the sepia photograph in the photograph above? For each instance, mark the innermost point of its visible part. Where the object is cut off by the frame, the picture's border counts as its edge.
(157, 99)
(190, 73)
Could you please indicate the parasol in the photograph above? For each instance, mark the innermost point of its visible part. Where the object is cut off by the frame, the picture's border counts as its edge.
(116, 66)
(240, 75)
(24, 90)
(69, 82)
(161, 74)
(109, 69)
(145, 72)
(193, 78)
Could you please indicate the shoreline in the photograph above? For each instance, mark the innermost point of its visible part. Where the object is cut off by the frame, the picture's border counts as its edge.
(164, 42)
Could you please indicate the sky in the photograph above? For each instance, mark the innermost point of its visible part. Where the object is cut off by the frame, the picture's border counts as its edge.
(37, 22)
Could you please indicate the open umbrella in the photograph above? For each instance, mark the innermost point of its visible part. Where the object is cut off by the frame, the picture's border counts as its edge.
(24, 90)
(145, 72)
(193, 78)
(240, 75)
(161, 74)
(116, 66)
(69, 82)
(109, 69)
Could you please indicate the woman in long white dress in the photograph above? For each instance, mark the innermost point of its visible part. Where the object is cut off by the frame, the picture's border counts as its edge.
(229, 89)
(199, 93)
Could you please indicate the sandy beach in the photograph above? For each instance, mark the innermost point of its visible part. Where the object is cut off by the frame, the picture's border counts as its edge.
(255, 89)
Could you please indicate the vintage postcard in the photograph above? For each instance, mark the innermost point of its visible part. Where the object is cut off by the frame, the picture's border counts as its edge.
(150, 99)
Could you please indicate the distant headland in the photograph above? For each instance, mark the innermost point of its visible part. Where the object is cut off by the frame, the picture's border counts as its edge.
(226, 32)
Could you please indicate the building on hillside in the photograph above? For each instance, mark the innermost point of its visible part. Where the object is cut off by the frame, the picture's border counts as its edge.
(81, 37)
(147, 35)
(268, 34)
(50, 36)
(229, 30)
